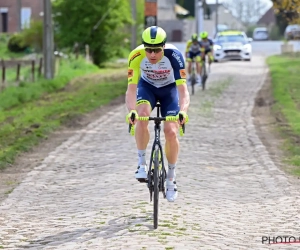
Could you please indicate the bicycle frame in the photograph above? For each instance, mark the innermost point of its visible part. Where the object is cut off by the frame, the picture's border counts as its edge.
(157, 129)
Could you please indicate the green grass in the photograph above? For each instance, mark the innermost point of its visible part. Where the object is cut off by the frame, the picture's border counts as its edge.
(285, 77)
(30, 112)
(24, 126)
(29, 91)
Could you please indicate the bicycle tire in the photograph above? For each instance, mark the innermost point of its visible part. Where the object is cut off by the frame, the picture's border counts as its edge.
(193, 80)
(204, 75)
(156, 187)
(193, 84)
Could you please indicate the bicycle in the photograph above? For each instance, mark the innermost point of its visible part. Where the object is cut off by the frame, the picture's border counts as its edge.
(204, 71)
(193, 76)
(157, 173)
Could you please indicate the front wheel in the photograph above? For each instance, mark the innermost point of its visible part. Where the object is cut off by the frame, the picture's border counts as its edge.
(203, 76)
(156, 186)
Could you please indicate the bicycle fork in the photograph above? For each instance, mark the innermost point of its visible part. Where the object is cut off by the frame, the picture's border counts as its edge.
(157, 149)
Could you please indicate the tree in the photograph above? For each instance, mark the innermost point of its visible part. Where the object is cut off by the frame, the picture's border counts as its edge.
(289, 9)
(248, 11)
(287, 12)
(98, 23)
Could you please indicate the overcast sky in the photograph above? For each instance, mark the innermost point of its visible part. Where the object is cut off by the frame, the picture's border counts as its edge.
(268, 2)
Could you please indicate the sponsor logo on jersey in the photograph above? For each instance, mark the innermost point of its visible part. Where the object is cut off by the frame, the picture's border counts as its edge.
(182, 73)
(177, 57)
(130, 73)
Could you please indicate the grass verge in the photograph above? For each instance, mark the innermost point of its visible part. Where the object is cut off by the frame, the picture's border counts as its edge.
(30, 112)
(284, 71)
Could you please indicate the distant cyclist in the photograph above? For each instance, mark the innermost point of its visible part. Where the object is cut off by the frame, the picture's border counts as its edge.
(206, 46)
(193, 53)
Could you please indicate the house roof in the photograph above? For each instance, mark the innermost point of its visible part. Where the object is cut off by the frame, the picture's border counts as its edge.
(180, 10)
(268, 17)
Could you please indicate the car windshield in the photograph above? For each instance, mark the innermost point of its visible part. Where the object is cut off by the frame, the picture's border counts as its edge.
(293, 27)
(231, 38)
(261, 32)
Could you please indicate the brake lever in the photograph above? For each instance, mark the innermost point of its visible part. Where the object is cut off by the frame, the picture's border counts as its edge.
(132, 118)
(183, 125)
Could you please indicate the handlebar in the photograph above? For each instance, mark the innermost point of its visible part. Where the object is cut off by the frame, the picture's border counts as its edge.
(149, 118)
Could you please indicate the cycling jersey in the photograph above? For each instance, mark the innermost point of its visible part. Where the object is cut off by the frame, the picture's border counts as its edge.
(191, 47)
(170, 69)
(206, 45)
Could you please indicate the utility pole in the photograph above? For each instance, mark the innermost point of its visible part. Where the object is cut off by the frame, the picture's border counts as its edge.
(19, 11)
(200, 16)
(133, 26)
(196, 16)
(217, 16)
(150, 13)
(48, 41)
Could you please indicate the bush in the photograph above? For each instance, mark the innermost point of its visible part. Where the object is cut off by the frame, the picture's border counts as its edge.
(33, 36)
(249, 31)
(16, 44)
(275, 33)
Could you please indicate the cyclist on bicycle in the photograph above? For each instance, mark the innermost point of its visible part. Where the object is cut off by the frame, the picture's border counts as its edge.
(207, 47)
(156, 72)
(192, 53)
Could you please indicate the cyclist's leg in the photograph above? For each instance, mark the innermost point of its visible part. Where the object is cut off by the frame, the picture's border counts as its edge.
(170, 107)
(145, 101)
(189, 60)
(198, 66)
(208, 52)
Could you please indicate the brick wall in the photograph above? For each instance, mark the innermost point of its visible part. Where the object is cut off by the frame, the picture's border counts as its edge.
(35, 5)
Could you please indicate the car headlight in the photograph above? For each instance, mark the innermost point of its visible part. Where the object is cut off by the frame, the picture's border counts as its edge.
(217, 47)
(247, 47)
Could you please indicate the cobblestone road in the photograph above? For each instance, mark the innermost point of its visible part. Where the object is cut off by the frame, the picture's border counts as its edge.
(84, 195)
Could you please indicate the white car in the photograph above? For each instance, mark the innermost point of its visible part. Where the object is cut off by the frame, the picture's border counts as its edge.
(232, 45)
(260, 33)
(292, 32)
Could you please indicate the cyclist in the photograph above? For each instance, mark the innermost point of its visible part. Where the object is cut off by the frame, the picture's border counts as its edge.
(156, 72)
(193, 52)
(207, 46)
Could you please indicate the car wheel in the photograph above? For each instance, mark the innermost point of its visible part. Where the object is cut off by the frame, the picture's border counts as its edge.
(248, 60)
(216, 61)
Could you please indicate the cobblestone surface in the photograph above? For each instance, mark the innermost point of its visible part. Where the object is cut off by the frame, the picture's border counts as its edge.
(84, 195)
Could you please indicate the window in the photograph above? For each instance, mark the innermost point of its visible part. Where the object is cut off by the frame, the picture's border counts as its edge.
(4, 19)
(25, 17)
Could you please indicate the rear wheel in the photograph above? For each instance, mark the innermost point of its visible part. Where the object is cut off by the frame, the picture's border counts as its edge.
(156, 186)
(203, 75)
(193, 82)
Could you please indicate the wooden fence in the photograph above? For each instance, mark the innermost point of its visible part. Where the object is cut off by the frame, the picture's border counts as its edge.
(17, 64)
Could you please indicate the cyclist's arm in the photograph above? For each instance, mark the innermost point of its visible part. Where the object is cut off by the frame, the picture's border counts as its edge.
(184, 97)
(211, 45)
(188, 45)
(180, 80)
(134, 60)
(202, 49)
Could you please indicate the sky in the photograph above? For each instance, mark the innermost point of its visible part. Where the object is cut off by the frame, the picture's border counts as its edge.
(268, 2)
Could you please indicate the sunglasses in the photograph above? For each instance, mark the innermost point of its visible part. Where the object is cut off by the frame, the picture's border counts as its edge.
(155, 50)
